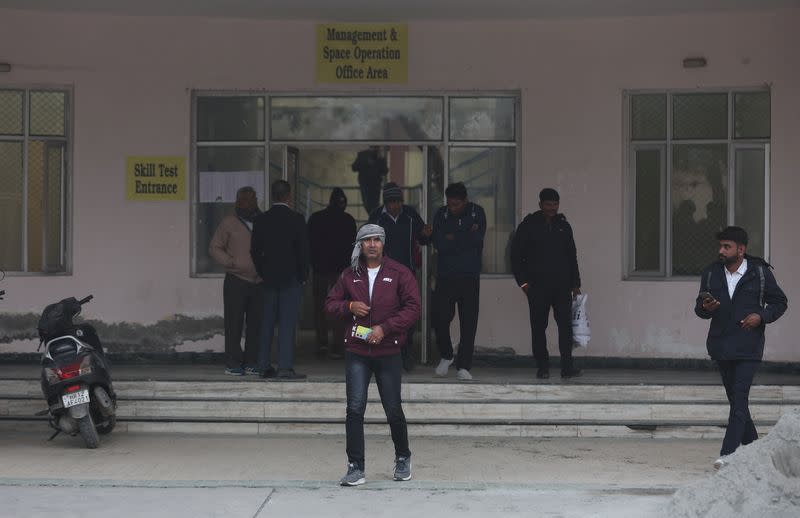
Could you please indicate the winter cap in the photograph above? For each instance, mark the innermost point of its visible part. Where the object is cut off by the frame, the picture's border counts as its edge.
(391, 191)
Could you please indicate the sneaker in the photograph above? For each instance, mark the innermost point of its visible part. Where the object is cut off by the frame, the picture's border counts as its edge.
(235, 371)
(444, 364)
(402, 468)
(571, 373)
(542, 373)
(719, 463)
(252, 371)
(464, 375)
(290, 374)
(269, 372)
(354, 476)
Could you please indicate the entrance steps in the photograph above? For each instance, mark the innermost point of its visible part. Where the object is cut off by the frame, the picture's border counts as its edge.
(251, 406)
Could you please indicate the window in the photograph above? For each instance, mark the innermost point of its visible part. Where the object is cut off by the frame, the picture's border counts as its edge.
(483, 155)
(697, 162)
(252, 139)
(33, 180)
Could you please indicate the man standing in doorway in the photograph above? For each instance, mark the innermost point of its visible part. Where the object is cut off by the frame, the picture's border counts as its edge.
(740, 295)
(371, 167)
(280, 254)
(242, 295)
(404, 231)
(331, 233)
(458, 231)
(545, 264)
(380, 300)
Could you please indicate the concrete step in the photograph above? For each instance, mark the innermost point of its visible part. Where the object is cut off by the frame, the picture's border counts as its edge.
(425, 411)
(257, 390)
(443, 429)
(252, 406)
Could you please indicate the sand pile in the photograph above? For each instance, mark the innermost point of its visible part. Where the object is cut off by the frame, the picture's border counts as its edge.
(760, 480)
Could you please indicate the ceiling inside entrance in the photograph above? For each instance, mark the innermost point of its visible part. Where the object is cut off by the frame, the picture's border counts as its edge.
(386, 10)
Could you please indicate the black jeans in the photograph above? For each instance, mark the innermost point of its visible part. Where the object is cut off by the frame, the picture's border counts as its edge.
(321, 284)
(541, 297)
(737, 376)
(464, 291)
(242, 301)
(359, 371)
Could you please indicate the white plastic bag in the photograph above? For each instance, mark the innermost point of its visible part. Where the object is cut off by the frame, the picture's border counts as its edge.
(580, 322)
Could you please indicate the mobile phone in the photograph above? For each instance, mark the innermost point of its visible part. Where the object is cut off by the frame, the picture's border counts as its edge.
(706, 296)
(361, 332)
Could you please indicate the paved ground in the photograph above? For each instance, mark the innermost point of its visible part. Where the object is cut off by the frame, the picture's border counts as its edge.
(199, 476)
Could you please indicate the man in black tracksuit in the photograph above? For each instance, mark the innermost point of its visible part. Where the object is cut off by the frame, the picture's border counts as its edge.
(545, 264)
(740, 295)
(404, 231)
(458, 231)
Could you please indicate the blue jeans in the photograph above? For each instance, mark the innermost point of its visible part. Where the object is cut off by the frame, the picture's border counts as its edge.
(281, 306)
(737, 376)
(388, 371)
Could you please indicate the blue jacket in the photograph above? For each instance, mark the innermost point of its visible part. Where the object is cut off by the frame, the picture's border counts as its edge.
(727, 340)
(462, 255)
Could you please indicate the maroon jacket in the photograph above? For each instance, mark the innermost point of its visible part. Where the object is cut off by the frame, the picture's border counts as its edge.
(395, 306)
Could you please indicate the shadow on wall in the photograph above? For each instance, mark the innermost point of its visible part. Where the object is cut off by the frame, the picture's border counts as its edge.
(163, 337)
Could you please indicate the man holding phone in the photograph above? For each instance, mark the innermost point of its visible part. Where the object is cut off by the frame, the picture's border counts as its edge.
(380, 300)
(741, 296)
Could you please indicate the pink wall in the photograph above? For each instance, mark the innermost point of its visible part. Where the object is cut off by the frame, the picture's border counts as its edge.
(132, 80)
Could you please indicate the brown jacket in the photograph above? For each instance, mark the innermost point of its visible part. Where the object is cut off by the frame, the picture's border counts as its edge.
(230, 247)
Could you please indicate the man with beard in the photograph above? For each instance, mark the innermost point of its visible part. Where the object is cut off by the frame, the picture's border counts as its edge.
(545, 264)
(380, 300)
(242, 296)
(331, 233)
(740, 295)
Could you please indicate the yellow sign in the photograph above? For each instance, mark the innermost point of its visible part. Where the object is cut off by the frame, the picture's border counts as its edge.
(150, 178)
(362, 53)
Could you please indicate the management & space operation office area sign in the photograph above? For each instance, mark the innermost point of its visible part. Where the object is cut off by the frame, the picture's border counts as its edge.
(362, 53)
(155, 178)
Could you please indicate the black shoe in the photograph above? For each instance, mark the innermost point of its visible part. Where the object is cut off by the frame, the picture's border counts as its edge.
(290, 374)
(543, 373)
(571, 373)
(269, 372)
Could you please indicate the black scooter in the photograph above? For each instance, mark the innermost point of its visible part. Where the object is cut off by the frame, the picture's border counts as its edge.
(75, 374)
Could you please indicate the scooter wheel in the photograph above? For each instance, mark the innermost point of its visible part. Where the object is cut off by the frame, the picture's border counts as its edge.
(88, 431)
(105, 429)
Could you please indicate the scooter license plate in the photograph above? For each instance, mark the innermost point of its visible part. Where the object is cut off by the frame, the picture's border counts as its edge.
(75, 398)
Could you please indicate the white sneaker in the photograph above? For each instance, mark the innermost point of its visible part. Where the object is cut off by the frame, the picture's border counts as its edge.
(441, 369)
(719, 463)
(464, 375)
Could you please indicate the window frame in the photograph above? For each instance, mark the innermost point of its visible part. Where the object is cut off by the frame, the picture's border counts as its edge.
(268, 141)
(630, 146)
(67, 142)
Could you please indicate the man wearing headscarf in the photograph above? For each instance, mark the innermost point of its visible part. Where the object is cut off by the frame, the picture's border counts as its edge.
(379, 299)
(331, 232)
(405, 231)
(242, 295)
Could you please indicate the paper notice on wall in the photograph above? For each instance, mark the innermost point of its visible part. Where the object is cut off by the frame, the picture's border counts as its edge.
(221, 186)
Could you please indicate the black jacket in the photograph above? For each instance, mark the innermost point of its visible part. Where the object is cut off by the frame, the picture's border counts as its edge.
(463, 255)
(545, 252)
(726, 338)
(331, 234)
(279, 247)
(400, 234)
